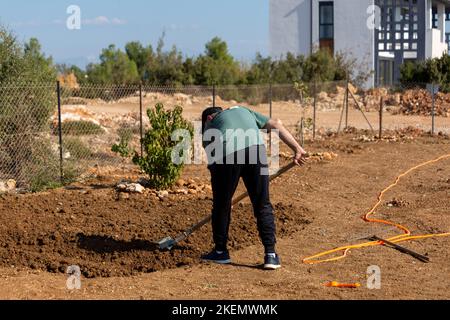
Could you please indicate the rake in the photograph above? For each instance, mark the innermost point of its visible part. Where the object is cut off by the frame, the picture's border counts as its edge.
(168, 243)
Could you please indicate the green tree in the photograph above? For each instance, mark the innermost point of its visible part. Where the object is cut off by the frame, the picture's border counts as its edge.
(115, 67)
(260, 70)
(217, 65)
(25, 111)
(142, 56)
(158, 161)
(435, 70)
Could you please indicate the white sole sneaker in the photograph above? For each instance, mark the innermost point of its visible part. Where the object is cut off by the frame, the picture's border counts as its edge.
(271, 267)
(218, 261)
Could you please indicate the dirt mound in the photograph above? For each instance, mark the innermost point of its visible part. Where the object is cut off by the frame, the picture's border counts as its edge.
(108, 237)
(419, 102)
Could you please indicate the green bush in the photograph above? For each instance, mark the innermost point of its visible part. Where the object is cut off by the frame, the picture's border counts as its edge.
(435, 70)
(25, 108)
(158, 146)
(46, 180)
(123, 148)
(77, 148)
(79, 128)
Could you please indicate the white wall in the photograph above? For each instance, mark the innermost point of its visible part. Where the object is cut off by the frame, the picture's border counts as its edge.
(435, 47)
(352, 35)
(290, 26)
(290, 29)
(435, 38)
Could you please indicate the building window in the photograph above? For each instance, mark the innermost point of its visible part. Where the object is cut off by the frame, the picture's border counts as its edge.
(399, 28)
(386, 72)
(447, 40)
(326, 25)
(447, 27)
(435, 18)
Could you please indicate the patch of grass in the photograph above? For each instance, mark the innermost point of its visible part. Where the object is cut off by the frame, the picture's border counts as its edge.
(77, 148)
(47, 180)
(79, 128)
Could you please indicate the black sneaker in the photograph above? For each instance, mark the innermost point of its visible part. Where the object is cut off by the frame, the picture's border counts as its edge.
(220, 258)
(272, 262)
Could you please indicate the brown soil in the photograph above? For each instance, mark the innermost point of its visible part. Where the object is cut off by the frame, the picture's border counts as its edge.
(317, 208)
(107, 236)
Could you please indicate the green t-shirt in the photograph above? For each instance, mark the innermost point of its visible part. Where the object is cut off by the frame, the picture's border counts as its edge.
(240, 128)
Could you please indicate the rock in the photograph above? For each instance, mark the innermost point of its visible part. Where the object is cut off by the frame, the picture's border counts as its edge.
(419, 102)
(180, 183)
(130, 187)
(352, 88)
(181, 191)
(192, 191)
(327, 156)
(9, 185)
(163, 194)
(322, 96)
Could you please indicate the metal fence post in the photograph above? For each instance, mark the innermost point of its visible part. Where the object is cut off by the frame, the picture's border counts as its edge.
(141, 125)
(314, 110)
(270, 100)
(270, 114)
(433, 109)
(214, 95)
(346, 102)
(380, 135)
(302, 136)
(61, 174)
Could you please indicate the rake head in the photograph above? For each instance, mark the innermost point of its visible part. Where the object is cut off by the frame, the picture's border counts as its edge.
(166, 244)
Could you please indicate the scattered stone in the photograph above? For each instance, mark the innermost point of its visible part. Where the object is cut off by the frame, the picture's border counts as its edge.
(7, 186)
(122, 196)
(327, 156)
(397, 203)
(180, 183)
(130, 187)
(163, 194)
(180, 191)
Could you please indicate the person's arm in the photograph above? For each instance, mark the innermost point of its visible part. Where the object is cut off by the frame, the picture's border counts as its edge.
(288, 138)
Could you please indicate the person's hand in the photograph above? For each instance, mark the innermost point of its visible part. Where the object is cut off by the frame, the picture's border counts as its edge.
(300, 157)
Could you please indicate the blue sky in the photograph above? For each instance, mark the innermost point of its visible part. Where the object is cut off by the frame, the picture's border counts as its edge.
(188, 24)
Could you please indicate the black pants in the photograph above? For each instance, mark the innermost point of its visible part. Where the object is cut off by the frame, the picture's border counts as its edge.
(224, 180)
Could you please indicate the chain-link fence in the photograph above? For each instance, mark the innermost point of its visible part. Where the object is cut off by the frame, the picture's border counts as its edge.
(51, 135)
(28, 149)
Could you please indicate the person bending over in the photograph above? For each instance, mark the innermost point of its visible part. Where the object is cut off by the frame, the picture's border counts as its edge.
(239, 152)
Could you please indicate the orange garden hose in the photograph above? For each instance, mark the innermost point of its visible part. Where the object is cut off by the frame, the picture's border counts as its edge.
(406, 236)
(334, 284)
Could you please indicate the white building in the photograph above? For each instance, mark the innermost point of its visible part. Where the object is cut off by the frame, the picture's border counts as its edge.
(381, 34)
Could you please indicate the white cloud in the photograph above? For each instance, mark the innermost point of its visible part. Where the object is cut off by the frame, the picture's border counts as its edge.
(102, 21)
(181, 27)
(118, 21)
(31, 23)
(97, 21)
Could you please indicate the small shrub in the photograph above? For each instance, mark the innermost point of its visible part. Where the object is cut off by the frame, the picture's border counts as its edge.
(46, 180)
(43, 170)
(77, 148)
(158, 145)
(79, 128)
(123, 148)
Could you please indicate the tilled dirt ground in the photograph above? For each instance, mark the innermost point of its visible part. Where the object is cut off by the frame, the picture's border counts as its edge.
(318, 207)
(108, 237)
